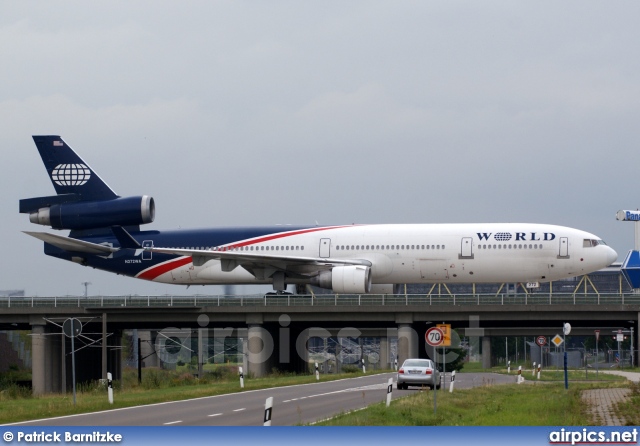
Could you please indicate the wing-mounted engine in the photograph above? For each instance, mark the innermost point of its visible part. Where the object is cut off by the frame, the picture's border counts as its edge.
(80, 215)
(345, 279)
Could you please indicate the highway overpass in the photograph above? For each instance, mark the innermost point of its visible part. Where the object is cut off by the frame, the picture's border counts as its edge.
(275, 330)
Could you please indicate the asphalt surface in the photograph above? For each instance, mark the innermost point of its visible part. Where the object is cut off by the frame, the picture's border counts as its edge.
(292, 405)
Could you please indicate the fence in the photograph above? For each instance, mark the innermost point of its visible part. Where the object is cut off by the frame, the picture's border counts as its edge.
(320, 300)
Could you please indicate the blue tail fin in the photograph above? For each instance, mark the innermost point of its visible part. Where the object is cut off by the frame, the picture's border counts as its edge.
(69, 173)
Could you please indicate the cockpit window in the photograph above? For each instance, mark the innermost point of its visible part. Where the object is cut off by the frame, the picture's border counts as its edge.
(588, 243)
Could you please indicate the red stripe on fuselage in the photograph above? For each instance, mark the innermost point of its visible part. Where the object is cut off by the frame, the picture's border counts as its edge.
(158, 270)
(279, 235)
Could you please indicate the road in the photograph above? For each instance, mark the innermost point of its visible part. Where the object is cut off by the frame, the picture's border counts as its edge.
(292, 405)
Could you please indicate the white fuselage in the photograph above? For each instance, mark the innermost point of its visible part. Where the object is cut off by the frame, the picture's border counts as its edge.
(420, 253)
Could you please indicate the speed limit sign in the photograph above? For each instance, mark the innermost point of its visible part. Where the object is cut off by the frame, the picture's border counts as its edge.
(434, 336)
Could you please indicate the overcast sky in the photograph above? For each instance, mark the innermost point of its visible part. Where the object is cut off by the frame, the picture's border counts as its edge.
(252, 113)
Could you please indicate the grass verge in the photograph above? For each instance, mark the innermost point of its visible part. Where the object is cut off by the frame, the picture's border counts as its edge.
(490, 405)
(160, 387)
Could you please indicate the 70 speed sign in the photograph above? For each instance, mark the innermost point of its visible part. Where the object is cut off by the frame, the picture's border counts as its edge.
(434, 336)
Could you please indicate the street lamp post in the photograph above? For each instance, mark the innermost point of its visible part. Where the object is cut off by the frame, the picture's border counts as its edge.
(632, 356)
(86, 288)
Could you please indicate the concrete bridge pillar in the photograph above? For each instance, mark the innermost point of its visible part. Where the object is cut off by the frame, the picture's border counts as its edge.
(384, 353)
(486, 352)
(260, 346)
(407, 343)
(39, 358)
(55, 362)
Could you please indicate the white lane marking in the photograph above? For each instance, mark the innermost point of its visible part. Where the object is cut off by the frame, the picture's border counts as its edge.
(17, 423)
(239, 410)
(173, 422)
(214, 415)
(353, 389)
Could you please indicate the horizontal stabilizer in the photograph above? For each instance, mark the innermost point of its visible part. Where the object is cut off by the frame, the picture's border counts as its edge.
(72, 244)
(29, 205)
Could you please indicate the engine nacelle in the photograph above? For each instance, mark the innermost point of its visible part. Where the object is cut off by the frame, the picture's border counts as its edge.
(354, 279)
(80, 215)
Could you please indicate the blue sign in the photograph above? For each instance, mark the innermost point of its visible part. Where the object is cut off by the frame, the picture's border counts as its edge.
(631, 268)
(628, 215)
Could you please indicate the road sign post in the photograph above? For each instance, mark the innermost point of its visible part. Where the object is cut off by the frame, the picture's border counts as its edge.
(541, 341)
(446, 342)
(434, 337)
(566, 329)
(597, 355)
(72, 327)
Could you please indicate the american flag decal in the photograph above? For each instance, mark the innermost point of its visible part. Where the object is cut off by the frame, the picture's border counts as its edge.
(57, 143)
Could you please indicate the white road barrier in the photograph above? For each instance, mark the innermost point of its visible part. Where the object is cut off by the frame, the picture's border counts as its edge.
(110, 387)
(268, 410)
(317, 373)
(389, 391)
(241, 377)
(539, 367)
(453, 378)
(520, 378)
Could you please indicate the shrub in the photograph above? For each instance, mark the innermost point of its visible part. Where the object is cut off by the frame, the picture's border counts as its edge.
(350, 368)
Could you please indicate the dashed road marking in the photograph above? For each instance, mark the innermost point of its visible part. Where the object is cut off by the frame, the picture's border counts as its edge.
(353, 389)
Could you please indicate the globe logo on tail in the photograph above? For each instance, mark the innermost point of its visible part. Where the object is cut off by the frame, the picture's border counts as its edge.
(70, 174)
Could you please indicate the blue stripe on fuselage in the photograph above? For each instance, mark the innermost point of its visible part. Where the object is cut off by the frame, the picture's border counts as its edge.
(125, 262)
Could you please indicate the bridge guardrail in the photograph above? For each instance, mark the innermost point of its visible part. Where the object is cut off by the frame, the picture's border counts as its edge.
(319, 300)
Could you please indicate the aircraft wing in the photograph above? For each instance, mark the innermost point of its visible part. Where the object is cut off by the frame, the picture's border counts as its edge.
(72, 244)
(252, 261)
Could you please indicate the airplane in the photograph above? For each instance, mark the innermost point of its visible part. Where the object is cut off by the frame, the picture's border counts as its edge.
(346, 259)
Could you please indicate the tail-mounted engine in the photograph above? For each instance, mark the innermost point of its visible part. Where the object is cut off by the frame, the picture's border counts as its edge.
(79, 215)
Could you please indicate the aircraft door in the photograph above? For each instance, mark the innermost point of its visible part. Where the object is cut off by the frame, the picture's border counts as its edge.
(466, 250)
(564, 248)
(147, 255)
(325, 247)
